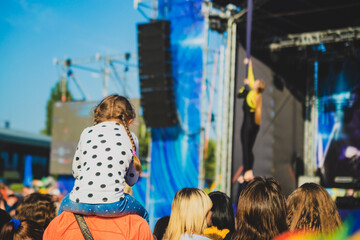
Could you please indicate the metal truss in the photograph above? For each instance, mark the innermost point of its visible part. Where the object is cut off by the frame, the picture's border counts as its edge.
(146, 8)
(108, 68)
(314, 38)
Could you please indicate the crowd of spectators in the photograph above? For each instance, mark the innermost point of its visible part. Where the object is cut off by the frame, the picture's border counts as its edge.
(262, 212)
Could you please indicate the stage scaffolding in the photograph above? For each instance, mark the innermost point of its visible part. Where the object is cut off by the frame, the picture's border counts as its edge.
(106, 67)
(225, 91)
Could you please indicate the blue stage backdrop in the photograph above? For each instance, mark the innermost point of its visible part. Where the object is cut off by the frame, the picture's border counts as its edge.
(175, 150)
(338, 137)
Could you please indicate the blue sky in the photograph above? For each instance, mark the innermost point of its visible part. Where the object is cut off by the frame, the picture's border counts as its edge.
(34, 32)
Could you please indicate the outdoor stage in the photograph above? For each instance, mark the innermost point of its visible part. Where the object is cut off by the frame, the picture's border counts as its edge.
(191, 66)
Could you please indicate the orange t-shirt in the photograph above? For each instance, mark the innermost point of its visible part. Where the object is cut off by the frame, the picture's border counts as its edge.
(65, 227)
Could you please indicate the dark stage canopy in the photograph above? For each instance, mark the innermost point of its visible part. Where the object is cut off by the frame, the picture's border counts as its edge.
(280, 17)
(283, 23)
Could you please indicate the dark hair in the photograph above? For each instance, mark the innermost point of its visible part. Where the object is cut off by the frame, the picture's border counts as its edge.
(160, 227)
(311, 207)
(261, 212)
(120, 108)
(4, 218)
(37, 207)
(222, 211)
(27, 230)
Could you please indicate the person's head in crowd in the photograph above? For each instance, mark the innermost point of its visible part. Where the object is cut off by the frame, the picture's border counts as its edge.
(261, 212)
(4, 218)
(37, 207)
(311, 207)
(188, 213)
(221, 216)
(119, 108)
(17, 229)
(160, 227)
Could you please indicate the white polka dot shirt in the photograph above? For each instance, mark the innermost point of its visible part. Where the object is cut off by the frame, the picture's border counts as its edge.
(102, 163)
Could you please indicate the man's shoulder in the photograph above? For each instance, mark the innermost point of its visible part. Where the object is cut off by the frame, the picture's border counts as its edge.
(130, 219)
(128, 226)
(68, 217)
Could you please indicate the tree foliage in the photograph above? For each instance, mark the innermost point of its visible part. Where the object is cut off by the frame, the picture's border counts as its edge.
(54, 97)
(144, 139)
(210, 163)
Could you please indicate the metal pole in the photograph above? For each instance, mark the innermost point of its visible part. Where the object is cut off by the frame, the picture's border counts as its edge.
(155, 9)
(219, 118)
(106, 82)
(63, 83)
(231, 108)
(315, 120)
(310, 128)
(148, 182)
(229, 101)
(203, 99)
(226, 108)
(307, 135)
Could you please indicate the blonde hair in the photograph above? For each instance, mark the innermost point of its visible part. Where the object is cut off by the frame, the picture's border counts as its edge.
(188, 213)
(262, 85)
(120, 108)
(311, 207)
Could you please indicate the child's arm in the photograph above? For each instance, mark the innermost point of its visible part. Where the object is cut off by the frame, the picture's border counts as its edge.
(132, 175)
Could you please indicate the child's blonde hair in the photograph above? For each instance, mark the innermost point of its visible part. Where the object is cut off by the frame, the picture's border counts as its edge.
(188, 213)
(118, 107)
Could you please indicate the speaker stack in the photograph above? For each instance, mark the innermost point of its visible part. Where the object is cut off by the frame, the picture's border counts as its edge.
(156, 80)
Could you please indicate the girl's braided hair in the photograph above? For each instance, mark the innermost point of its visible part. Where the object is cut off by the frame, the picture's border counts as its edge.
(118, 107)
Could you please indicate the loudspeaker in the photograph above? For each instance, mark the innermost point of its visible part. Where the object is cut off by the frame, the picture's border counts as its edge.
(156, 80)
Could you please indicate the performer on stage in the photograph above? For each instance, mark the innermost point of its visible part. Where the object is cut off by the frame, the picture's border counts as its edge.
(252, 107)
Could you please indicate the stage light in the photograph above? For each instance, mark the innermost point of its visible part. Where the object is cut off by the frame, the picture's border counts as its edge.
(352, 152)
(68, 62)
(127, 56)
(217, 24)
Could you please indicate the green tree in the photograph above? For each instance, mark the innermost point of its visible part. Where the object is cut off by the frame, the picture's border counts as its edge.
(209, 163)
(144, 140)
(55, 96)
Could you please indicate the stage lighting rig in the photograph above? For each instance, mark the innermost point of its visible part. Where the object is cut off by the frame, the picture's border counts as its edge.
(218, 15)
(315, 38)
(217, 24)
